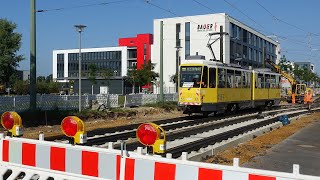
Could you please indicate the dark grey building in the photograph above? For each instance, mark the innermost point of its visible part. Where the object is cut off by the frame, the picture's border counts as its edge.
(23, 75)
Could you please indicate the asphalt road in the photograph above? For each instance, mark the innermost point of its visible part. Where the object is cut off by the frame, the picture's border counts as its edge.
(302, 148)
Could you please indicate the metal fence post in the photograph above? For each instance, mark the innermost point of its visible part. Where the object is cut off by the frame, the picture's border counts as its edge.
(14, 103)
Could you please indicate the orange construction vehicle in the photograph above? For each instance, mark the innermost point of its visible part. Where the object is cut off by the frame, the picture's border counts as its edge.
(298, 91)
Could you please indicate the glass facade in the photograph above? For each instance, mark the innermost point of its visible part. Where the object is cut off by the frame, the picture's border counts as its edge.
(102, 60)
(178, 31)
(247, 48)
(187, 39)
(60, 65)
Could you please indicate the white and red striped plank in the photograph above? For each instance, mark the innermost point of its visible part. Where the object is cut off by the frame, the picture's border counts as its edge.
(82, 162)
(146, 169)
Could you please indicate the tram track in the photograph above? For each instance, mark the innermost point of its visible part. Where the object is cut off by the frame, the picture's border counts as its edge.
(128, 131)
(188, 147)
(186, 131)
(181, 130)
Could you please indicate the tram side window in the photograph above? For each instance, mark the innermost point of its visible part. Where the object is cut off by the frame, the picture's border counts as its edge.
(204, 82)
(237, 79)
(258, 81)
(230, 78)
(221, 78)
(267, 81)
(273, 82)
(277, 81)
(244, 79)
(248, 75)
(261, 82)
(212, 77)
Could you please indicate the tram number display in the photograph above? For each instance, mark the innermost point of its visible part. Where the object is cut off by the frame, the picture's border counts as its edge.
(191, 69)
(188, 84)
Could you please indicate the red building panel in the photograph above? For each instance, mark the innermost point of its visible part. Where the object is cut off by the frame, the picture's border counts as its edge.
(141, 42)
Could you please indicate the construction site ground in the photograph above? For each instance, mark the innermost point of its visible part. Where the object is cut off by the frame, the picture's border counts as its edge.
(278, 150)
(130, 116)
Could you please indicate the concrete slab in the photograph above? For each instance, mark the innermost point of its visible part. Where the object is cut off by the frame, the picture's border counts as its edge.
(302, 148)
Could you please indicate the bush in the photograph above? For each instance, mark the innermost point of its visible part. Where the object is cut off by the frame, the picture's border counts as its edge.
(121, 100)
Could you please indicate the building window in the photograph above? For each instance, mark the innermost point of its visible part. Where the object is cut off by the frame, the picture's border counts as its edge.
(232, 48)
(132, 53)
(187, 39)
(145, 53)
(238, 32)
(60, 65)
(238, 50)
(245, 35)
(245, 52)
(178, 31)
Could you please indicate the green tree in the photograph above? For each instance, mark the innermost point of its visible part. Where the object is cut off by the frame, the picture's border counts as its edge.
(21, 87)
(93, 74)
(143, 76)
(41, 78)
(132, 77)
(107, 74)
(304, 75)
(285, 65)
(43, 87)
(49, 78)
(54, 87)
(147, 74)
(10, 43)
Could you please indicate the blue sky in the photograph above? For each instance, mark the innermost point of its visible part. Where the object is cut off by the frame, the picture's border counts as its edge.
(294, 22)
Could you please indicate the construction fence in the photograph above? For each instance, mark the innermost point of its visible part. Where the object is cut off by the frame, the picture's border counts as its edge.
(71, 102)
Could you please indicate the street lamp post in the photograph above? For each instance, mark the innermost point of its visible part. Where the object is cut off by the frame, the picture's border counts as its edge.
(178, 61)
(80, 28)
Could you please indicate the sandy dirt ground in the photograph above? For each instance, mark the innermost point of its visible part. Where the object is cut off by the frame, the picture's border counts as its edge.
(259, 146)
(142, 114)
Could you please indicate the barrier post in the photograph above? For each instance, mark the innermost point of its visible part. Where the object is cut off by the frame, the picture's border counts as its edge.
(41, 136)
(184, 156)
(296, 169)
(110, 145)
(236, 162)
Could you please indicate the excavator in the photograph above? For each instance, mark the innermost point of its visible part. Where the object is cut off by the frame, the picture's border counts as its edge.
(298, 91)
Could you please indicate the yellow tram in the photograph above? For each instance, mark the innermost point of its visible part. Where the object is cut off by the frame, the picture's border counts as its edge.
(211, 86)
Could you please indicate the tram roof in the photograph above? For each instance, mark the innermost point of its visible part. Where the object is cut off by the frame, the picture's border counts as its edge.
(211, 63)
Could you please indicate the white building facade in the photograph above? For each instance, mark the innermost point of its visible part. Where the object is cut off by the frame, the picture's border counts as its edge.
(66, 62)
(185, 36)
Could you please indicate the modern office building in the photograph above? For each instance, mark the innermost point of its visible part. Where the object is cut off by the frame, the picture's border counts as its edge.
(139, 49)
(131, 52)
(185, 36)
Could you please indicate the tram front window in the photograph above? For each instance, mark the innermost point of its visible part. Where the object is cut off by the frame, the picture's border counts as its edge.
(190, 76)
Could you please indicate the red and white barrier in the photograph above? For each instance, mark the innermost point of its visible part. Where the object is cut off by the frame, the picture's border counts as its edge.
(60, 157)
(96, 163)
(139, 166)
